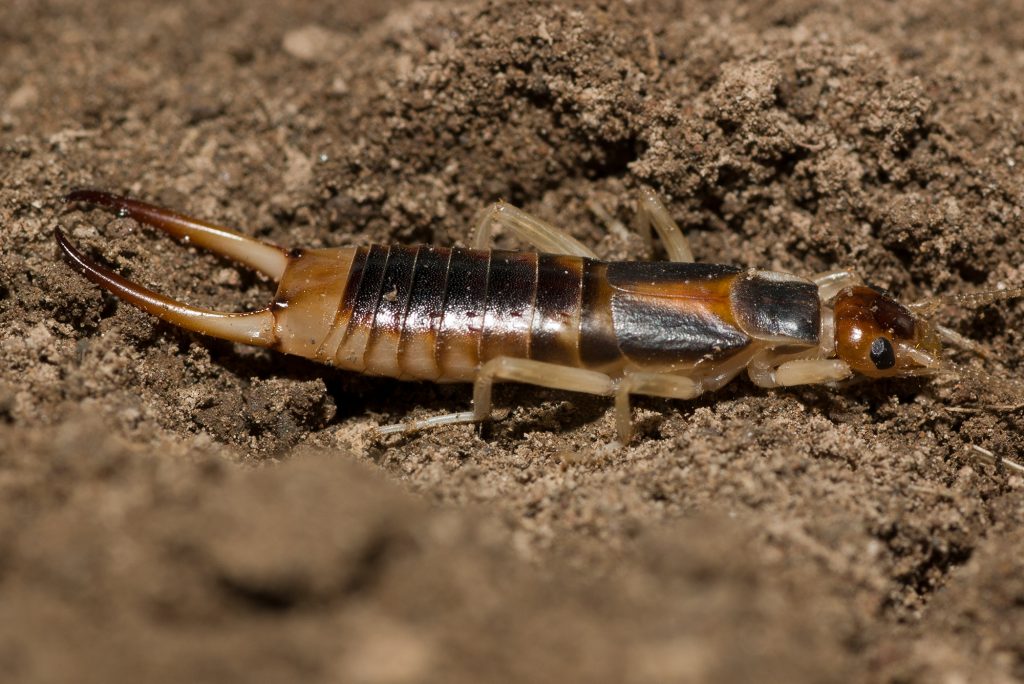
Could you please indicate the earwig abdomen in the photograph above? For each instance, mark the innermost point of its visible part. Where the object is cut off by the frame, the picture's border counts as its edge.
(429, 313)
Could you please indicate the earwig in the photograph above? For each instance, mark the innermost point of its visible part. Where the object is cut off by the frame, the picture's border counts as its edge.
(557, 318)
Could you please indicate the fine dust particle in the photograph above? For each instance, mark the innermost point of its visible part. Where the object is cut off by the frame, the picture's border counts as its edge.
(313, 43)
(542, 32)
(227, 276)
(680, 659)
(386, 653)
(24, 97)
(299, 172)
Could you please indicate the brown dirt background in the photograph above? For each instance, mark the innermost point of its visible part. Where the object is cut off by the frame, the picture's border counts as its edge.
(178, 509)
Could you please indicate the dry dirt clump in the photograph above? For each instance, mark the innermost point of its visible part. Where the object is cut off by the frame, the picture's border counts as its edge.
(175, 508)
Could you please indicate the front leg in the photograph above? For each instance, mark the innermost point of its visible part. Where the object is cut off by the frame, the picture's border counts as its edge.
(798, 372)
(831, 283)
(532, 230)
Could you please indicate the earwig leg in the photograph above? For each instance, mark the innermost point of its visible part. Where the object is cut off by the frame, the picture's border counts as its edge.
(526, 227)
(533, 372)
(663, 385)
(799, 372)
(831, 283)
(614, 225)
(516, 370)
(268, 259)
(651, 211)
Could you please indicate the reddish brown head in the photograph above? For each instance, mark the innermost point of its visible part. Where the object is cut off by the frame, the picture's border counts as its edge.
(880, 338)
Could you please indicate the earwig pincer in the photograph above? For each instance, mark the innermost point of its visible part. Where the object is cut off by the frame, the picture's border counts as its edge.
(558, 317)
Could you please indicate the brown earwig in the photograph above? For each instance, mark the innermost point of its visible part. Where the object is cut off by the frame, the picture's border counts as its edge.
(557, 318)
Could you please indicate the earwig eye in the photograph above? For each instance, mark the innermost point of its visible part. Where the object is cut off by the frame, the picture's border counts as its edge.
(882, 354)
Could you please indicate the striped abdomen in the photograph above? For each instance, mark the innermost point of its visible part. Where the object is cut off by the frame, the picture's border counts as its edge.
(436, 314)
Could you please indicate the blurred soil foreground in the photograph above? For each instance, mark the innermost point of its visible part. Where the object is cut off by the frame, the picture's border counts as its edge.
(175, 508)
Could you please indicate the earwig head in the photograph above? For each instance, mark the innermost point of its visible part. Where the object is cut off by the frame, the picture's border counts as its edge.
(880, 338)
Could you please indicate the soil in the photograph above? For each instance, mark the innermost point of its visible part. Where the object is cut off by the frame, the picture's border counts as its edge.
(174, 508)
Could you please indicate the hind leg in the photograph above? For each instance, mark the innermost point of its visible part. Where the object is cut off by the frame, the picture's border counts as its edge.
(531, 372)
(513, 369)
(526, 227)
(651, 212)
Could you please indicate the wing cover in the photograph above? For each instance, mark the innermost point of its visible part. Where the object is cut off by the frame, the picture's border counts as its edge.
(666, 278)
(674, 315)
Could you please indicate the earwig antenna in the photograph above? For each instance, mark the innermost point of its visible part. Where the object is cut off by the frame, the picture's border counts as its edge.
(973, 376)
(955, 339)
(927, 308)
(995, 388)
(969, 300)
